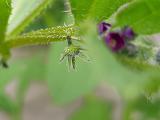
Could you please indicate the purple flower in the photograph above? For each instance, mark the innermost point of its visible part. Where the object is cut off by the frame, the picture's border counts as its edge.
(128, 33)
(115, 41)
(103, 27)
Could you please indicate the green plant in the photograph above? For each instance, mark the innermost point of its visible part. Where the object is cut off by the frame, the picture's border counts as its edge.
(130, 75)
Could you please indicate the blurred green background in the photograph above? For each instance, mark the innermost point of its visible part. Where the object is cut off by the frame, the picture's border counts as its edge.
(37, 87)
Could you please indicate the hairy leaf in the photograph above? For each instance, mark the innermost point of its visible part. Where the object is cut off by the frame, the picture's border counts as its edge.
(24, 12)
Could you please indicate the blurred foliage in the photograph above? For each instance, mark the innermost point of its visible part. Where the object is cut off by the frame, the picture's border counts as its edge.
(142, 109)
(93, 109)
(133, 79)
(142, 15)
(7, 104)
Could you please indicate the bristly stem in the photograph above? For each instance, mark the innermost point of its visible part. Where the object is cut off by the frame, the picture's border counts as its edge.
(42, 37)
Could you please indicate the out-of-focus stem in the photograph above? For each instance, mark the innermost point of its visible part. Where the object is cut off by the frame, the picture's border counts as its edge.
(68, 10)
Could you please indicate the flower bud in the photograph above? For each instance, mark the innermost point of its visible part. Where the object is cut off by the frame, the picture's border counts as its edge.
(103, 27)
(115, 41)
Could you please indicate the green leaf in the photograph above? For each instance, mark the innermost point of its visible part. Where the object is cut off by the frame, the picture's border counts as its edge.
(142, 15)
(5, 6)
(23, 13)
(64, 85)
(96, 9)
(93, 109)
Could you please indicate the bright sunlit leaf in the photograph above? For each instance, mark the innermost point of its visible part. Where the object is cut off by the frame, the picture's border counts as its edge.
(24, 12)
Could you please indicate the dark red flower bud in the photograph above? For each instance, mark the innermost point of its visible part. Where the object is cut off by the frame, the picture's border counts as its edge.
(115, 41)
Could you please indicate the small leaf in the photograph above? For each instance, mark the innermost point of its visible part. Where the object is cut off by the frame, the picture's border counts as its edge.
(142, 15)
(5, 6)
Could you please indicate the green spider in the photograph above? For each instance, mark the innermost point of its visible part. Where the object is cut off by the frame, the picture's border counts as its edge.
(71, 52)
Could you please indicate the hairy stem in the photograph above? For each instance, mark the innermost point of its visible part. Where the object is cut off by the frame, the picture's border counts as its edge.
(42, 37)
(37, 40)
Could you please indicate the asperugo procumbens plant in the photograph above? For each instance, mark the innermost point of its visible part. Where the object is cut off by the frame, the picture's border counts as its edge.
(119, 36)
(39, 37)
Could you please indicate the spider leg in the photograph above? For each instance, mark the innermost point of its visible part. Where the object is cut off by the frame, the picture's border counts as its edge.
(73, 62)
(69, 61)
(84, 57)
(63, 56)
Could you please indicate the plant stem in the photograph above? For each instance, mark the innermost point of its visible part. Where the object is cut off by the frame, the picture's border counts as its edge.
(70, 18)
(37, 40)
(42, 37)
